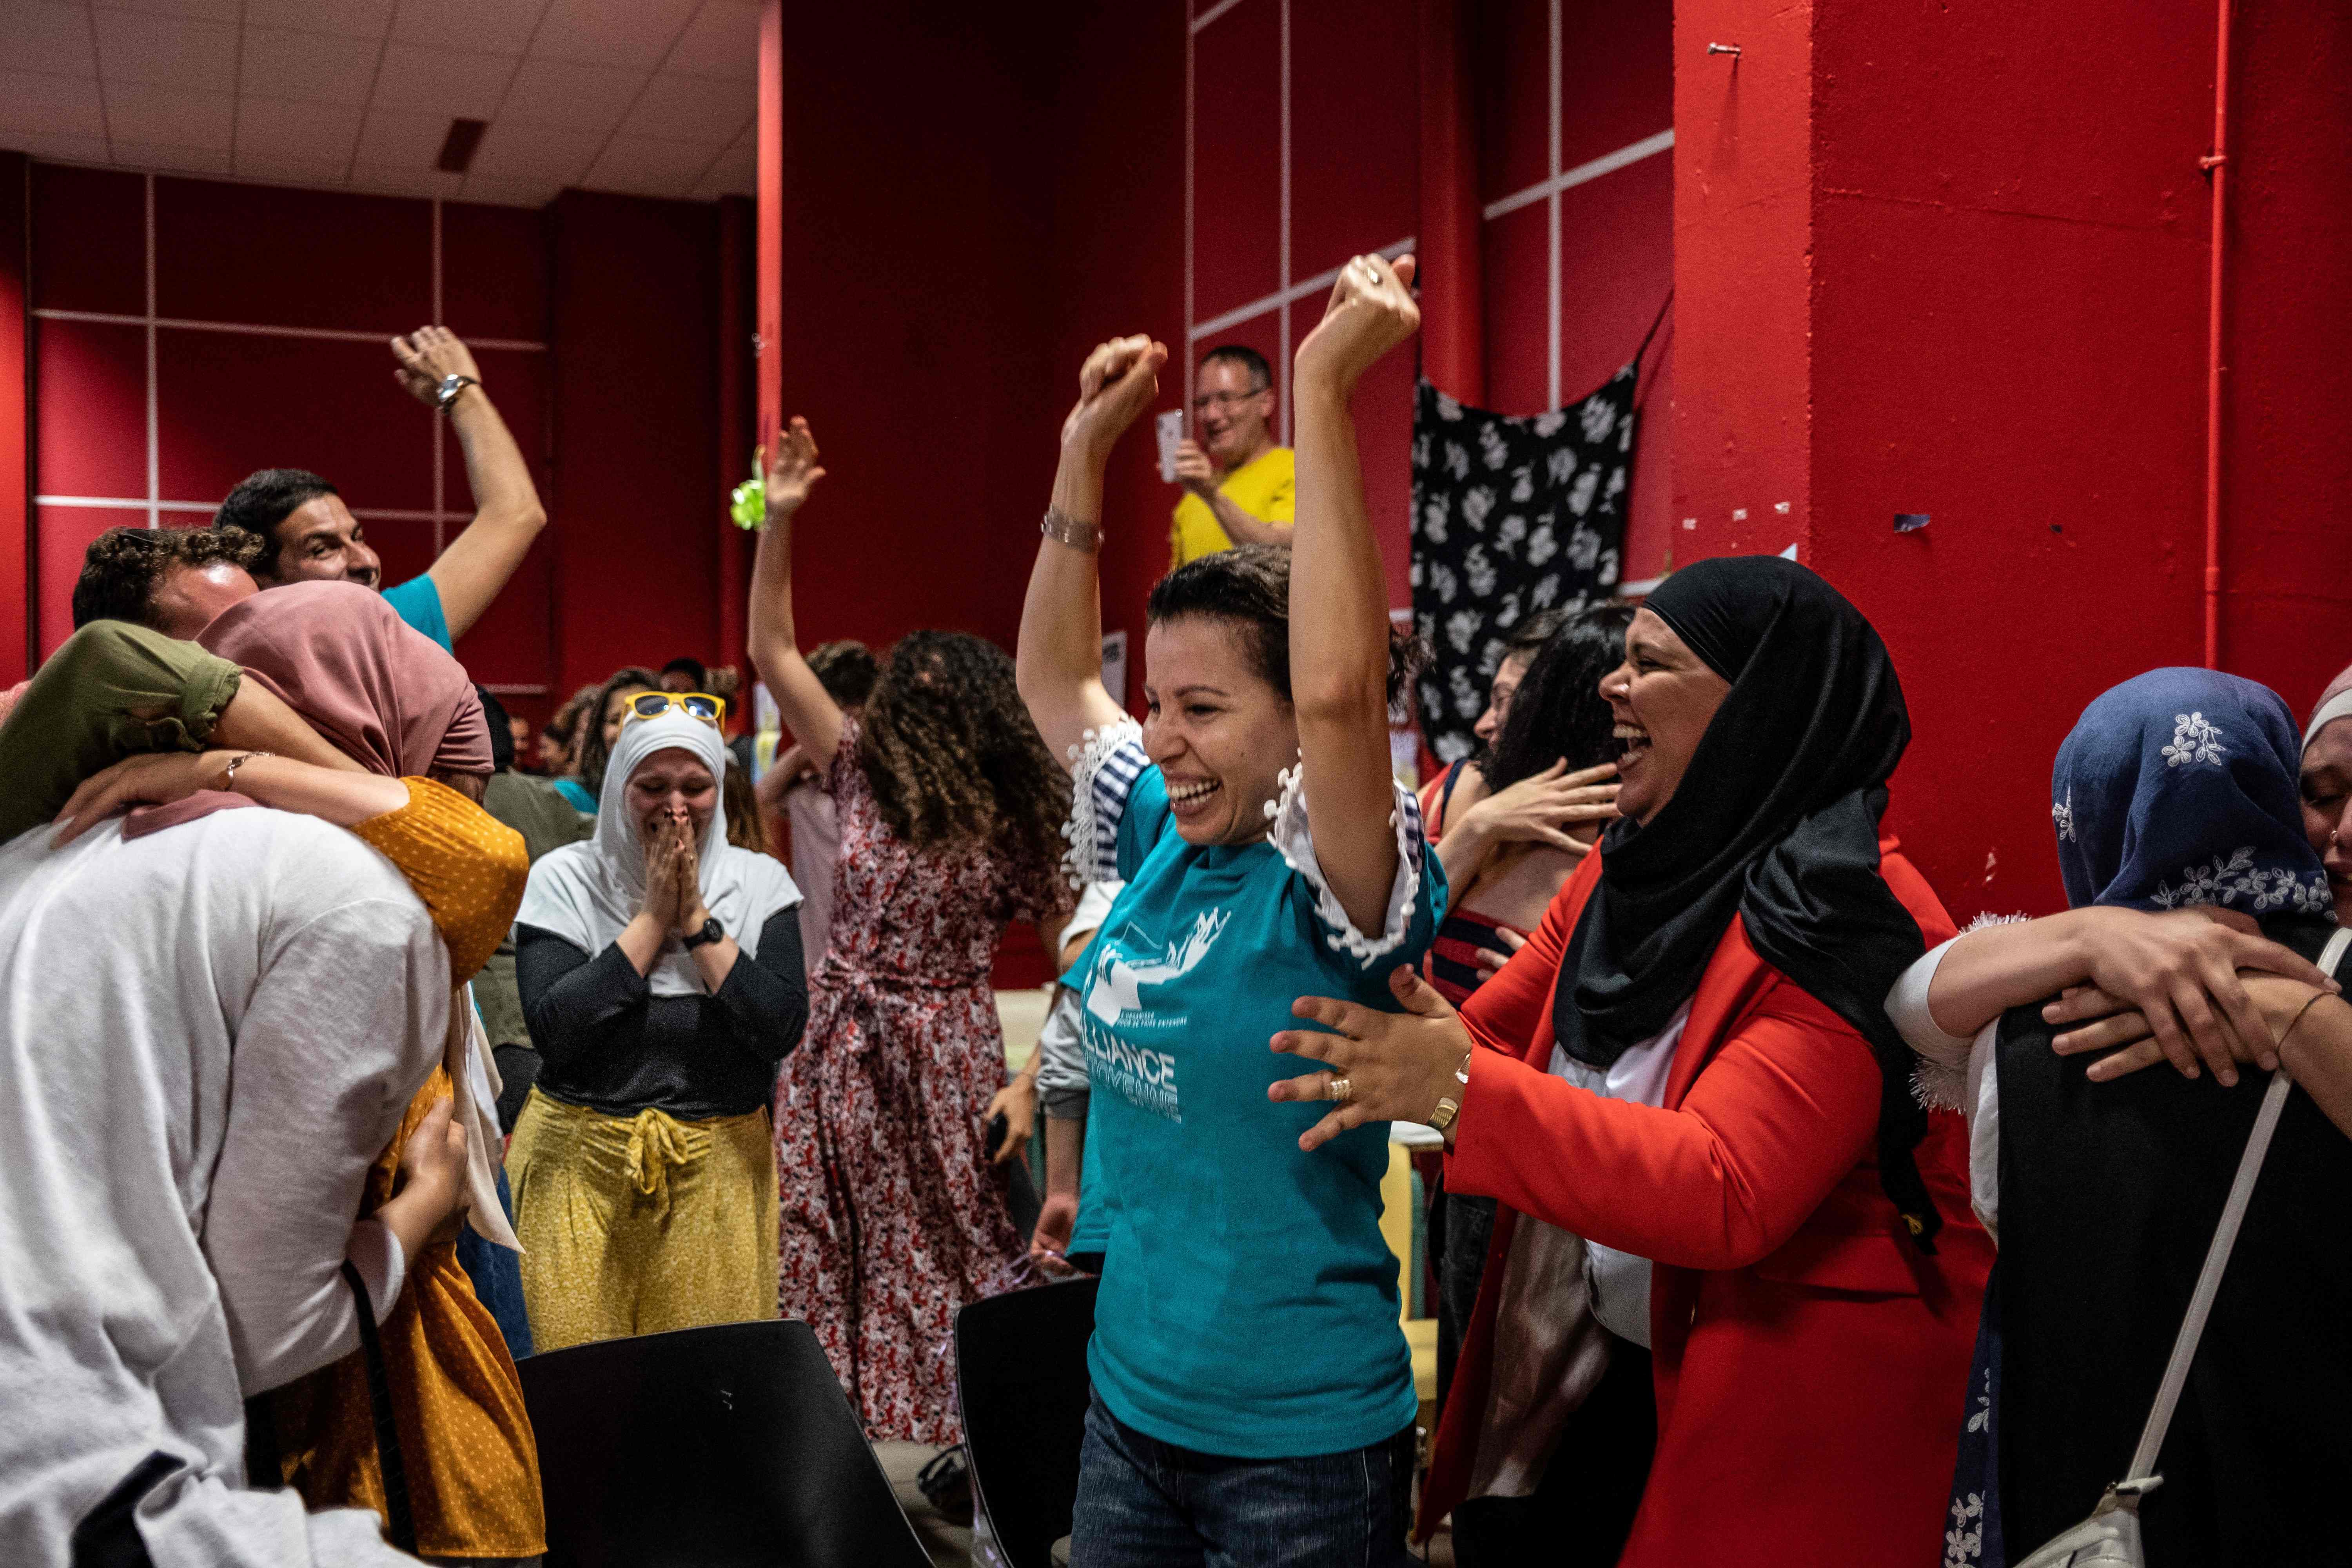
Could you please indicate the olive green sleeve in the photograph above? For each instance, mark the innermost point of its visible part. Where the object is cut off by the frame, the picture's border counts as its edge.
(112, 690)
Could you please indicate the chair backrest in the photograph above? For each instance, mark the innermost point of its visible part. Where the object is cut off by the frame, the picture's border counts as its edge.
(1021, 1379)
(720, 1448)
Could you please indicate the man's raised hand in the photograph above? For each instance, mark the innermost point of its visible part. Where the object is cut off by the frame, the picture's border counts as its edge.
(427, 357)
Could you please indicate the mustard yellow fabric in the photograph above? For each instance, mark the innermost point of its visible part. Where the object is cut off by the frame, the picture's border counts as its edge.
(468, 865)
(465, 1437)
(635, 1224)
(1262, 487)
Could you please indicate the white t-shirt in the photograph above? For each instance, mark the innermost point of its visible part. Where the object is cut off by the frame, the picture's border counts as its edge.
(207, 1037)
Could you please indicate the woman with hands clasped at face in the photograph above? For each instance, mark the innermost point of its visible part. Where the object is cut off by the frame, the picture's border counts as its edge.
(1699, 1123)
(660, 973)
(1253, 1393)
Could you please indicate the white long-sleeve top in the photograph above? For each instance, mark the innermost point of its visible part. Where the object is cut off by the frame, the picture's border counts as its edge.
(1957, 1074)
(207, 1037)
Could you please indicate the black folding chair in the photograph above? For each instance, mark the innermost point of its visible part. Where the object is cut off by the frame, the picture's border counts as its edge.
(728, 1447)
(1021, 1380)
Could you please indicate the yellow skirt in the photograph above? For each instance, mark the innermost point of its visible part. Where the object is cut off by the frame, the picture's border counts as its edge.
(635, 1224)
(465, 1437)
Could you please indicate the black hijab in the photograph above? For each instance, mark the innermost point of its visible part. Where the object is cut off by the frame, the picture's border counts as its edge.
(1776, 820)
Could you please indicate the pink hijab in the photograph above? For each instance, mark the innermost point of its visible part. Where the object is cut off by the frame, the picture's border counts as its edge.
(382, 694)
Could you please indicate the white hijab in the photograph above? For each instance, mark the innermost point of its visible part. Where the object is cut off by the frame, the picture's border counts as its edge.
(586, 892)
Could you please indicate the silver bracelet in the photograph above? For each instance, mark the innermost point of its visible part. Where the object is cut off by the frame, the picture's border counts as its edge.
(228, 773)
(1060, 525)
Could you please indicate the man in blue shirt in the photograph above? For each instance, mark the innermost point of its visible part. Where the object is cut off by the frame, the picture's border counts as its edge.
(310, 533)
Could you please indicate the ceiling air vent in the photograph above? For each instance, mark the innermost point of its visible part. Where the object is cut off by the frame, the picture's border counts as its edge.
(458, 148)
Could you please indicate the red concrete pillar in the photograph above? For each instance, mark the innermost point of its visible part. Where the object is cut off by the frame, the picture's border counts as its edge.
(1453, 266)
(739, 371)
(1743, 299)
(771, 285)
(17, 545)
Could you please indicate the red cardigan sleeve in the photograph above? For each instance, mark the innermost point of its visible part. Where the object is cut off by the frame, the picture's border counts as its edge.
(1783, 1110)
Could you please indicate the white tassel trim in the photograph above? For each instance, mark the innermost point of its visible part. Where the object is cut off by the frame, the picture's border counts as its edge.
(1294, 839)
(1081, 862)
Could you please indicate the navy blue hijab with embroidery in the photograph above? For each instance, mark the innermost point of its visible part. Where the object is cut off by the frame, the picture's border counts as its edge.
(2177, 788)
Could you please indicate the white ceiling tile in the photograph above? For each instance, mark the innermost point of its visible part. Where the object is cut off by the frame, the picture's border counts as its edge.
(635, 33)
(693, 109)
(511, 193)
(170, 51)
(210, 10)
(645, 167)
(173, 160)
(41, 38)
(168, 116)
(490, 27)
(48, 144)
(737, 169)
(306, 68)
(272, 128)
(59, 105)
(722, 40)
(558, 92)
(326, 172)
(405, 181)
(442, 82)
(535, 153)
(352, 18)
(394, 139)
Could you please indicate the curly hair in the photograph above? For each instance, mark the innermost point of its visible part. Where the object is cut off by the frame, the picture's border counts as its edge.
(952, 756)
(847, 670)
(588, 737)
(1557, 714)
(124, 567)
(1249, 588)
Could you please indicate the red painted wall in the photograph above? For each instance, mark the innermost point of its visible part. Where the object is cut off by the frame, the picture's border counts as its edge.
(16, 475)
(635, 415)
(1921, 268)
(608, 309)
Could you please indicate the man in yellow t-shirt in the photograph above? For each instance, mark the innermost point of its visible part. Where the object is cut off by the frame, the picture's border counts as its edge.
(1237, 482)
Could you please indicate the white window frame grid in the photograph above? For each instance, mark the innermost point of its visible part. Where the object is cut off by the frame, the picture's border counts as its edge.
(153, 504)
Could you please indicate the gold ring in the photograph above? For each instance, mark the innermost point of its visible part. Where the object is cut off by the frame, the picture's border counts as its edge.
(1339, 1088)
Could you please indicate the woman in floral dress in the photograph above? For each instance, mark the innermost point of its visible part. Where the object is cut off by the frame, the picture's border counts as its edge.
(951, 811)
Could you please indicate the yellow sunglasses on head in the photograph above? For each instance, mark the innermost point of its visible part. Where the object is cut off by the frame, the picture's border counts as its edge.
(711, 710)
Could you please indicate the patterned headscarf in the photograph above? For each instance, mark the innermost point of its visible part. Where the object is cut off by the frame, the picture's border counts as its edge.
(2177, 788)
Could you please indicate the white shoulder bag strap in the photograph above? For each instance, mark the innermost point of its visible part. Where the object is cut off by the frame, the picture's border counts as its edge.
(2111, 1535)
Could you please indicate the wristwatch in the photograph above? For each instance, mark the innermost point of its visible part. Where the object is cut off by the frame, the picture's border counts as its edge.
(1449, 1108)
(451, 386)
(711, 932)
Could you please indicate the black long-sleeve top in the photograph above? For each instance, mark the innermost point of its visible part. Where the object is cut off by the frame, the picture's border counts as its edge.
(610, 1043)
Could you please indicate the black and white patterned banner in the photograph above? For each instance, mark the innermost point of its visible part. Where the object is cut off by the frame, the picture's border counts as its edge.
(1509, 517)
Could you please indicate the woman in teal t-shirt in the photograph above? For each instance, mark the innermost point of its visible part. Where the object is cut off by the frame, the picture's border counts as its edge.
(1253, 1393)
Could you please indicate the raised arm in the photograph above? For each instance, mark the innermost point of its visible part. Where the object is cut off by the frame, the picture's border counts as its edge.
(1059, 658)
(1338, 593)
(507, 515)
(809, 711)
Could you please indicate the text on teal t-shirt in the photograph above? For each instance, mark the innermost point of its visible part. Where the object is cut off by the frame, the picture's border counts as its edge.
(1249, 1302)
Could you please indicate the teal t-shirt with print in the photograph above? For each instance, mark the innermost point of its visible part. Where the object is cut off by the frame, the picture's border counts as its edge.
(418, 602)
(1249, 1302)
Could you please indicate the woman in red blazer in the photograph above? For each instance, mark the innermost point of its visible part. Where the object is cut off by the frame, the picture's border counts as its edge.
(1687, 1077)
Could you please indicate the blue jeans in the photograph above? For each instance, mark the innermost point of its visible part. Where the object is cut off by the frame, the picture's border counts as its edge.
(1143, 1503)
(497, 1276)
